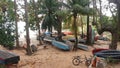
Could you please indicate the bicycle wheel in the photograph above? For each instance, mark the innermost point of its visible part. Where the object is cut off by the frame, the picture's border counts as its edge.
(76, 61)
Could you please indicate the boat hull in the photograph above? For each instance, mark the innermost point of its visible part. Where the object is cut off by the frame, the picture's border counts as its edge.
(80, 40)
(83, 47)
(60, 45)
(7, 57)
(113, 54)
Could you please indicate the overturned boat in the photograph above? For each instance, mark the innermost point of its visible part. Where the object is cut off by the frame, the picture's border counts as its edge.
(112, 54)
(7, 57)
(60, 45)
(83, 47)
(80, 40)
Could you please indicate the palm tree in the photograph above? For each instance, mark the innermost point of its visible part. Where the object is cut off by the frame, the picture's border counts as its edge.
(49, 7)
(61, 16)
(29, 52)
(77, 7)
(16, 18)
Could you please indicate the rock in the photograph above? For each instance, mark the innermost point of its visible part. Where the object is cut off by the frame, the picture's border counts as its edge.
(33, 48)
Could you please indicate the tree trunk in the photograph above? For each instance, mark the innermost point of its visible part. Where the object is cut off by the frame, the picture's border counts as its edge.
(118, 7)
(29, 52)
(113, 44)
(60, 33)
(88, 36)
(51, 31)
(115, 35)
(100, 11)
(37, 20)
(75, 31)
(82, 27)
(59, 28)
(17, 36)
(94, 5)
(50, 23)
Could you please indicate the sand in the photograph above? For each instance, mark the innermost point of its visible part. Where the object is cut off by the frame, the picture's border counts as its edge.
(52, 57)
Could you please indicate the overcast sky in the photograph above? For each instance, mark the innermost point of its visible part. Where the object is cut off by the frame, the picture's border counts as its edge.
(104, 11)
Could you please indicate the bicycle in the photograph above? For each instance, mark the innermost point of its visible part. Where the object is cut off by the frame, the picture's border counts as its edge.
(78, 60)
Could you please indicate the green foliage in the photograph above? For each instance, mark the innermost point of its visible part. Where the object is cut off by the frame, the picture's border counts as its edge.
(77, 8)
(7, 23)
(80, 7)
(67, 22)
(61, 13)
(108, 22)
(61, 16)
(47, 9)
(32, 17)
(50, 8)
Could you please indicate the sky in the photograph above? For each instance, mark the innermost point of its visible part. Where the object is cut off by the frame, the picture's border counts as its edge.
(104, 11)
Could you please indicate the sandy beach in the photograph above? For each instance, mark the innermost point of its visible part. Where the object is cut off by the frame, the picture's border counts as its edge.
(52, 57)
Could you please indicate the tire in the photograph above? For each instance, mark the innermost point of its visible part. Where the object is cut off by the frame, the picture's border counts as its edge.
(76, 61)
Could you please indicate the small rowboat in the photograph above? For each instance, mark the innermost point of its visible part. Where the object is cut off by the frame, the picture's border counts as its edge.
(113, 54)
(80, 40)
(48, 39)
(83, 47)
(8, 57)
(60, 45)
(98, 50)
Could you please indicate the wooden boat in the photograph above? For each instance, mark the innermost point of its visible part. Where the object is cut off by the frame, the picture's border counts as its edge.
(83, 47)
(8, 57)
(113, 54)
(60, 45)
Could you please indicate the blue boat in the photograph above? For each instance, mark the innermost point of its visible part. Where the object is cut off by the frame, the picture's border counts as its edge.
(113, 54)
(83, 47)
(79, 40)
(60, 45)
(48, 39)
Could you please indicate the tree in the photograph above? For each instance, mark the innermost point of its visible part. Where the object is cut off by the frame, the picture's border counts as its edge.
(77, 7)
(16, 18)
(29, 52)
(60, 17)
(88, 30)
(49, 7)
(7, 28)
(116, 35)
(110, 25)
(36, 18)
